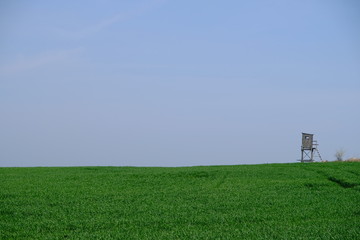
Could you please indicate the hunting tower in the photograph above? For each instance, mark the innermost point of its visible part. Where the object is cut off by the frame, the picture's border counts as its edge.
(308, 148)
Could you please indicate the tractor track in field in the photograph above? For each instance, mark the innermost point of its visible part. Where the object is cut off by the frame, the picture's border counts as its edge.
(342, 183)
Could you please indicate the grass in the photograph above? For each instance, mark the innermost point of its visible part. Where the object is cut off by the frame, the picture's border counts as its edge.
(274, 201)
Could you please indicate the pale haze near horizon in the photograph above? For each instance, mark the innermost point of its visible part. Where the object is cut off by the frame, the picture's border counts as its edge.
(177, 83)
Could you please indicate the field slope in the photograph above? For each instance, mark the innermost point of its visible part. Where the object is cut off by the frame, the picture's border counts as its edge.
(274, 201)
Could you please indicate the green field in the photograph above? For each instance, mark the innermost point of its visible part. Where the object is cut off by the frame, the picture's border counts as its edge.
(272, 201)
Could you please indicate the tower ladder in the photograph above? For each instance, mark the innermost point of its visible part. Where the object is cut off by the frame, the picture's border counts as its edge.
(318, 154)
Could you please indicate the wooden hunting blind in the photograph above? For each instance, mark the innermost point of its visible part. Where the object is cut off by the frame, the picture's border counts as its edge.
(308, 148)
(307, 141)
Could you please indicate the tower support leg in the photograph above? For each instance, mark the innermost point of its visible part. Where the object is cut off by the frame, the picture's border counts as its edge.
(312, 155)
(302, 156)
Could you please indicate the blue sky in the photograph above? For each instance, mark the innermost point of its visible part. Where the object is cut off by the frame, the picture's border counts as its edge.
(177, 83)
